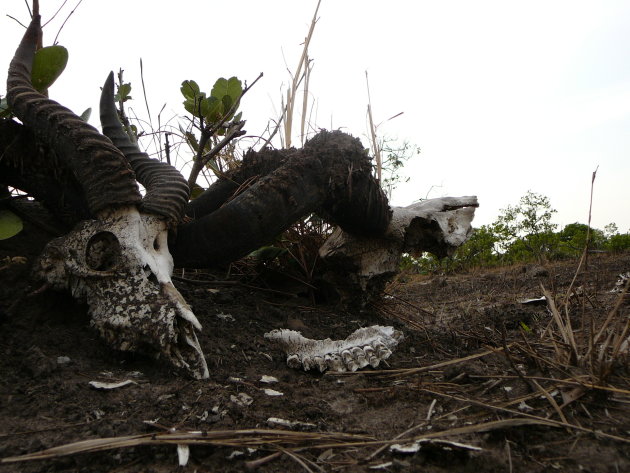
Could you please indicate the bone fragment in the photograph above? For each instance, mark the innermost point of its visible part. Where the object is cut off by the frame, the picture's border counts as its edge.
(107, 386)
(290, 424)
(366, 346)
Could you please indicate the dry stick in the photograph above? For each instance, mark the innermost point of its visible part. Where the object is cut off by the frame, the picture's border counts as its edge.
(564, 326)
(255, 464)
(375, 147)
(144, 92)
(307, 76)
(297, 77)
(551, 400)
(590, 208)
(530, 382)
(555, 423)
(468, 429)
(583, 257)
(55, 14)
(569, 382)
(610, 317)
(399, 436)
(67, 18)
(299, 460)
(418, 308)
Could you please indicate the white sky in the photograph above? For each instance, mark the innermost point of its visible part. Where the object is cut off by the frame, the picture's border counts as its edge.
(503, 97)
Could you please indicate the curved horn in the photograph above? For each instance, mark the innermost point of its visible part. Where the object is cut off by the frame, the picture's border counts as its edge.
(106, 178)
(167, 190)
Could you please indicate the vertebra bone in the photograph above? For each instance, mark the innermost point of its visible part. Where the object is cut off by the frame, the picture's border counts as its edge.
(366, 346)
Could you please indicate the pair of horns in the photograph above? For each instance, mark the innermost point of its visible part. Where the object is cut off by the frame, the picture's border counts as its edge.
(108, 165)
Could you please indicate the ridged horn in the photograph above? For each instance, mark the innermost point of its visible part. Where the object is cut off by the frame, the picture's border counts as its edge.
(167, 190)
(102, 170)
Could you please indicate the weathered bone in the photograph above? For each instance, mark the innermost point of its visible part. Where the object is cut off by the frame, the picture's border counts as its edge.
(120, 262)
(366, 346)
(360, 266)
(121, 265)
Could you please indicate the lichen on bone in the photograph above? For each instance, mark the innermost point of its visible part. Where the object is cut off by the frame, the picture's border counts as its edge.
(366, 346)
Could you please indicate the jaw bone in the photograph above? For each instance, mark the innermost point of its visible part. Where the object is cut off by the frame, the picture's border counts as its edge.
(122, 267)
(366, 346)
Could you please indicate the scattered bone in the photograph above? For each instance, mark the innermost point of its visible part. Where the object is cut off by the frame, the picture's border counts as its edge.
(290, 424)
(622, 279)
(272, 392)
(63, 360)
(416, 445)
(366, 346)
(241, 399)
(226, 317)
(183, 454)
(268, 379)
(534, 301)
(107, 386)
(381, 466)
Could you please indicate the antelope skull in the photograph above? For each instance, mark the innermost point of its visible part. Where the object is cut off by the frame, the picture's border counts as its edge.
(119, 262)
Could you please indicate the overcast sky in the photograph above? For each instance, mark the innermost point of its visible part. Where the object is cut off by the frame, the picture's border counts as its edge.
(501, 96)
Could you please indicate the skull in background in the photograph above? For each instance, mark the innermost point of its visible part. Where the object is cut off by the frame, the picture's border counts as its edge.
(120, 264)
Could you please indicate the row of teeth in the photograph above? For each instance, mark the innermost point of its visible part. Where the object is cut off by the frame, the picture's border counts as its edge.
(351, 359)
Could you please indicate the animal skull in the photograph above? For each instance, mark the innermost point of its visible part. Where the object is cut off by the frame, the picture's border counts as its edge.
(121, 265)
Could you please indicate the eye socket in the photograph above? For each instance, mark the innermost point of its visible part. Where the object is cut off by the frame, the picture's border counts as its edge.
(102, 252)
(156, 244)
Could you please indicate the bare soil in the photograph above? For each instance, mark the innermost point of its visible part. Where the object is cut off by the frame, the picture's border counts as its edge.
(497, 402)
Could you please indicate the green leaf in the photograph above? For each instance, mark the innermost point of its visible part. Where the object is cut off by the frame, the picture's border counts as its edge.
(213, 111)
(10, 224)
(124, 90)
(48, 65)
(231, 87)
(87, 113)
(227, 105)
(193, 104)
(525, 327)
(190, 89)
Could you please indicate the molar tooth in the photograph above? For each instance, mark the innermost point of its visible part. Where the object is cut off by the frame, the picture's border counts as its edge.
(349, 361)
(359, 356)
(293, 361)
(307, 363)
(382, 352)
(370, 355)
(333, 361)
(320, 363)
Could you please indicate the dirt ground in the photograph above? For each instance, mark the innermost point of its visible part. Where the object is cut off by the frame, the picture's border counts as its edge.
(489, 395)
